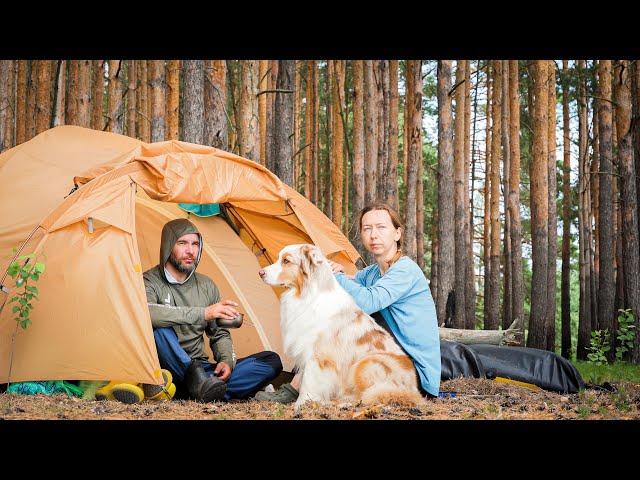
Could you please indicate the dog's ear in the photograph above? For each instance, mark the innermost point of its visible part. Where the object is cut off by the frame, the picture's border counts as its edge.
(312, 254)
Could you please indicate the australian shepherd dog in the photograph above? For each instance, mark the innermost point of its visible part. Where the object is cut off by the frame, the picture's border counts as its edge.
(341, 352)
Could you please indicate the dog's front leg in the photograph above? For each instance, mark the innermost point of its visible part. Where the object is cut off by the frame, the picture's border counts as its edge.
(318, 384)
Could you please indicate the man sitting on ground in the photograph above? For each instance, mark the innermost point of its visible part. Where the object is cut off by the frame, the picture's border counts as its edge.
(184, 305)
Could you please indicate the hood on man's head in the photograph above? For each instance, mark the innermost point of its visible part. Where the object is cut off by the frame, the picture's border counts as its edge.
(171, 232)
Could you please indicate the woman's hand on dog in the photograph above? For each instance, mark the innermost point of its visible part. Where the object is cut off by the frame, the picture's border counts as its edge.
(336, 267)
(224, 309)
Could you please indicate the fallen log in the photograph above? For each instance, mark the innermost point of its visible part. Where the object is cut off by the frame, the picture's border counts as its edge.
(510, 337)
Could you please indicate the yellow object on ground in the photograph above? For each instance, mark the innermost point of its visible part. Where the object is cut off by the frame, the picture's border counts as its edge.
(530, 386)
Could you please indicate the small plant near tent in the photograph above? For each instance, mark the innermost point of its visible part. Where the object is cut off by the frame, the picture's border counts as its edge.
(625, 333)
(25, 269)
(599, 347)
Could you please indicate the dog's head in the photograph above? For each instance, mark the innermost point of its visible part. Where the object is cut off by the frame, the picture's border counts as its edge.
(295, 266)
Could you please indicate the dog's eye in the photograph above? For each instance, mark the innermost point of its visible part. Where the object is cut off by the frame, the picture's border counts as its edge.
(285, 261)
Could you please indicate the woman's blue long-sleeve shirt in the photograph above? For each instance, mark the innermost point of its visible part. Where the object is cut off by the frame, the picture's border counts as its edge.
(403, 297)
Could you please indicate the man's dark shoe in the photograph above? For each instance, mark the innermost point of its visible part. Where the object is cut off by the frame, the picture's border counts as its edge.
(201, 386)
(285, 394)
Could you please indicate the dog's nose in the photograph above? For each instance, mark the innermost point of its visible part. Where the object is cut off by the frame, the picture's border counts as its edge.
(262, 273)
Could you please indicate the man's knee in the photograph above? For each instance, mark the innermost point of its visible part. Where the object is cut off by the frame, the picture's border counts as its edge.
(270, 358)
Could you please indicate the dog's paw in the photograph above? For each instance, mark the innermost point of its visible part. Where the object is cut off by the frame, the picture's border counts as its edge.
(345, 406)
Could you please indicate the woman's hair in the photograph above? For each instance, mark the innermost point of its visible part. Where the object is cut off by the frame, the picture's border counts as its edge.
(395, 219)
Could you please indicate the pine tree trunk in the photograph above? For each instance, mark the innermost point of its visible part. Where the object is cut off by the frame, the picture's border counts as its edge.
(629, 225)
(173, 101)
(371, 142)
(566, 219)
(84, 93)
(315, 180)
(379, 74)
(470, 289)
(60, 89)
(392, 170)
(337, 145)
(97, 94)
(43, 101)
(506, 259)
(131, 98)
(21, 101)
(193, 106)
(550, 331)
(71, 112)
(263, 74)
(539, 176)
(156, 82)
(116, 119)
(10, 119)
(405, 134)
(6, 69)
(486, 230)
(517, 290)
(357, 169)
(310, 153)
(420, 199)
(233, 92)
(595, 206)
(446, 247)
(271, 131)
(584, 219)
(297, 128)
(144, 126)
(283, 113)
(493, 313)
(606, 282)
(325, 178)
(459, 202)
(215, 101)
(248, 129)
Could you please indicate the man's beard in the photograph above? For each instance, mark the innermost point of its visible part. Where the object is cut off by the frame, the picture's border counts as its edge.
(179, 266)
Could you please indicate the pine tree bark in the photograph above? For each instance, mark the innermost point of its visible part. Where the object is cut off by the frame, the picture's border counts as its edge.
(539, 176)
(97, 94)
(380, 67)
(357, 168)
(116, 120)
(297, 107)
(311, 152)
(566, 218)
(460, 206)
(325, 177)
(215, 100)
(606, 283)
(470, 289)
(248, 129)
(337, 146)
(392, 170)
(173, 102)
(550, 331)
(629, 207)
(60, 88)
(156, 82)
(43, 101)
(71, 112)
(584, 220)
(263, 74)
(506, 259)
(283, 119)
(493, 313)
(21, 101)
(6, 69)
(144, 125)
(193, 106)
(405, 133)
(409, 241)
(272, 83)
(10, 119)
(84, 93)
(446, 247)
(517, 295)
(486, 230)
(371, 142)
(131, 98)
(595, 207)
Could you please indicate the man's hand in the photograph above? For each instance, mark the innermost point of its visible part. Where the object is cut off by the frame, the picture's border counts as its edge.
(222, 371)
(224, 309)
(336, 267)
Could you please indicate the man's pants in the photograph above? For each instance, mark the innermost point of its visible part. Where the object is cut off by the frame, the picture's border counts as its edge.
(249, 375)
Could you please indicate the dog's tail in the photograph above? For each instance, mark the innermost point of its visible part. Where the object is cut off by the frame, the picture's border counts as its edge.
(390, 396)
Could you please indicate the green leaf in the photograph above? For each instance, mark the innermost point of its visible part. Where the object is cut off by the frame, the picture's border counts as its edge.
(32, 289)
(39, 267)
(35, 276)
(14, 299)
(15, 309)
(24, 324)
(24, 257)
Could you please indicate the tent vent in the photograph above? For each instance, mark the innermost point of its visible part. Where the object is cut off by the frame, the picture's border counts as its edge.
(90, 224)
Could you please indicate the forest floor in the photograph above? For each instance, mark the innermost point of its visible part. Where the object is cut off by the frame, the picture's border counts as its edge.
(475, 399)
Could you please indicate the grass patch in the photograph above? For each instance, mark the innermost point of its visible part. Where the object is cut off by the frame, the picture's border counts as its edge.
(613, 373)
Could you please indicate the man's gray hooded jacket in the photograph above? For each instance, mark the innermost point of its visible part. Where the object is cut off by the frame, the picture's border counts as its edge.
(182, 306)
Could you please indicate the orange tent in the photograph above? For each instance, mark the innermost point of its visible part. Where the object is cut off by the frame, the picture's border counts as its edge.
(91, 321)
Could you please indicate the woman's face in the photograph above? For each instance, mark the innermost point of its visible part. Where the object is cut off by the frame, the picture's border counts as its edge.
(378, 234)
